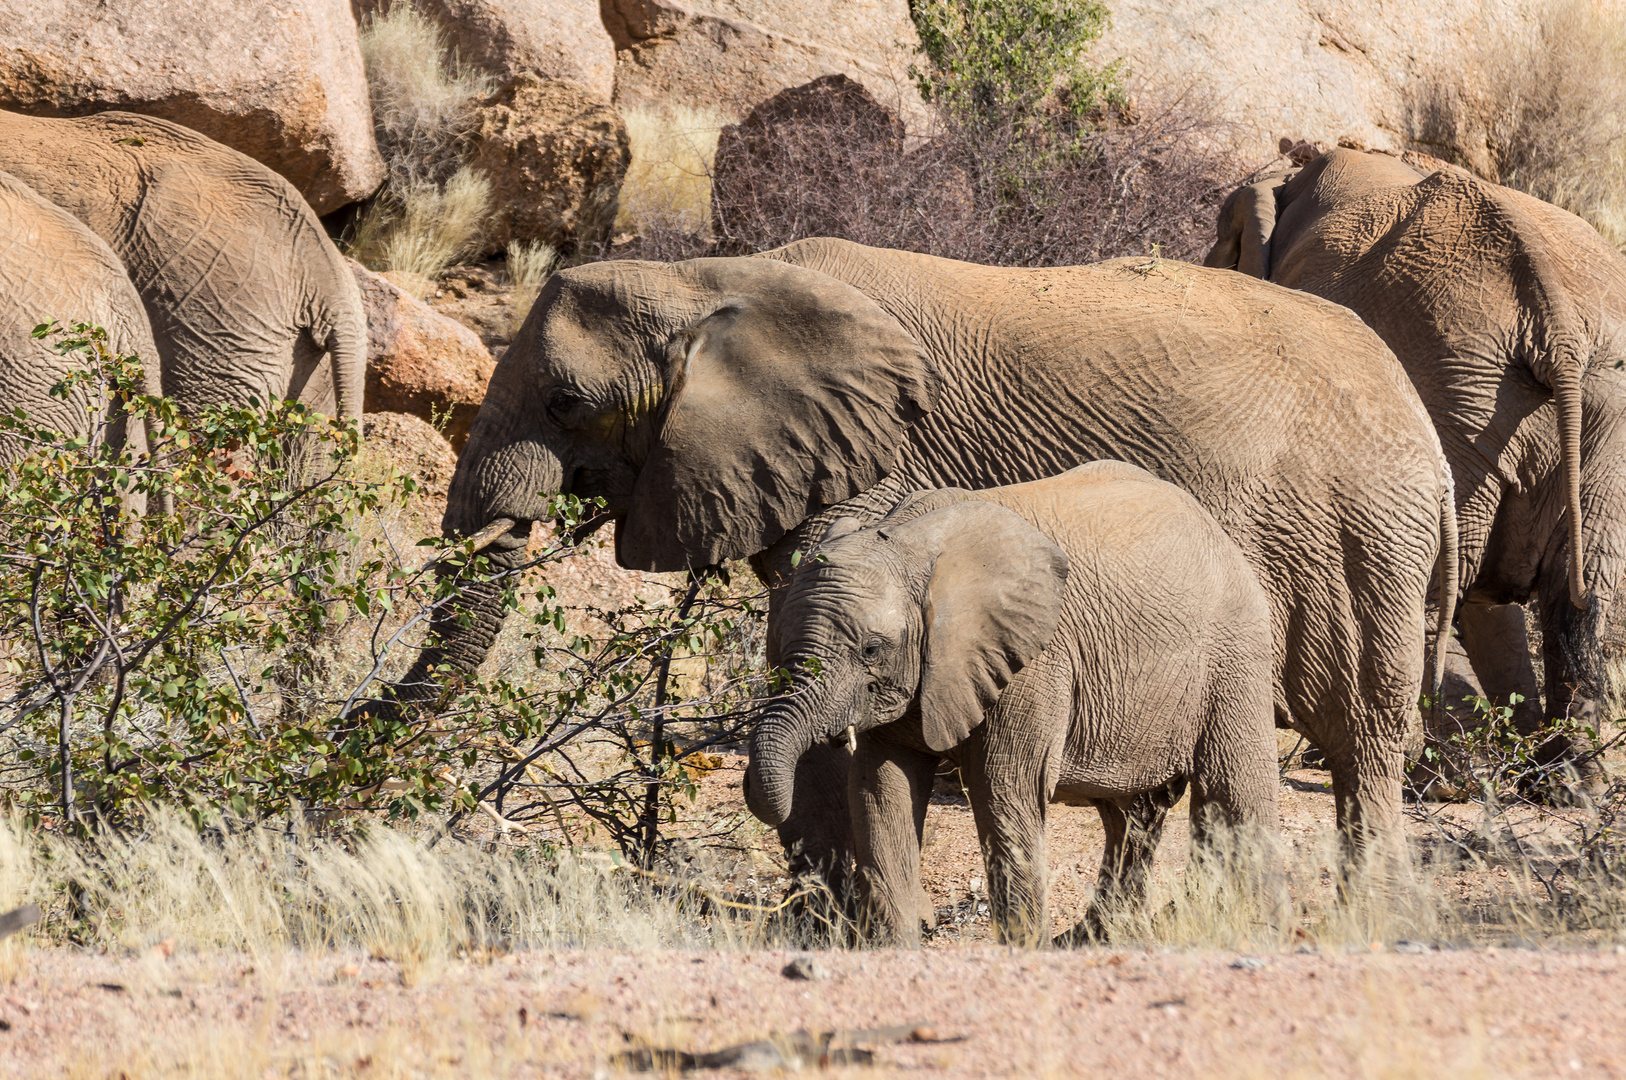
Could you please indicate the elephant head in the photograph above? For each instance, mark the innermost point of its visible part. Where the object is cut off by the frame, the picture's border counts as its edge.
(712, 404)
(939, 605)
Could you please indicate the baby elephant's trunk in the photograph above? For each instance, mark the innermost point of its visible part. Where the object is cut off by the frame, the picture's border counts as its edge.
(782, 736)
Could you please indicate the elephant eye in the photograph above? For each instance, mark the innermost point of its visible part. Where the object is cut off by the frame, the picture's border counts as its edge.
(872, 649)
(566, 406)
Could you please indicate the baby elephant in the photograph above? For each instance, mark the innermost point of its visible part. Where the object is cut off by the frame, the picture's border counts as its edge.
(1090, 638)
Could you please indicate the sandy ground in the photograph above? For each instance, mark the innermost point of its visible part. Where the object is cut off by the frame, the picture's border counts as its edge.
(984, 1010)
(990, 1013)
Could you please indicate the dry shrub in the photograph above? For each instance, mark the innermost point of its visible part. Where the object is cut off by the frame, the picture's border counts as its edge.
(668, 186)
(432, 210)
(424, 228)
(423, 98)
(827, 160)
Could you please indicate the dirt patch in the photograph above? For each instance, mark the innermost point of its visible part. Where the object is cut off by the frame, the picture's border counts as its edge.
(1501, 1013)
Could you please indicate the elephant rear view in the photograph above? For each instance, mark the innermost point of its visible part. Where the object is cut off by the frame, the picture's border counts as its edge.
(1089, 639)
(243, 288)
(52, 268)
(1509, 316)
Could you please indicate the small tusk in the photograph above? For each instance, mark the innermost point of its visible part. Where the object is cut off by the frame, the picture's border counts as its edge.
(481, 540)
(852, 739)
(486, 536)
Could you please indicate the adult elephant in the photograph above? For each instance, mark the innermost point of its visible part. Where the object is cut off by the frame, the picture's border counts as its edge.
(1509, 315)
(52, 268)
(732, 407)
(244, 291)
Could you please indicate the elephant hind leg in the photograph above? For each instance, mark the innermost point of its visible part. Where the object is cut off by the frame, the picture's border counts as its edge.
(1134, 825)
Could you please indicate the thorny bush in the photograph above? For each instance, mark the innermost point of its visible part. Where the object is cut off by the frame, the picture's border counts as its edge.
(220, 652)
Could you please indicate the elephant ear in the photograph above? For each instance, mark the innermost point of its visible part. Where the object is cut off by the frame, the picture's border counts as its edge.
(792, 391)
(1246, 223)
(993, 602)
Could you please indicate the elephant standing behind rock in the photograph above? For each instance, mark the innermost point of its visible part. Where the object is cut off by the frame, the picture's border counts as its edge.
(1509, 316)
(1084, 639)
(52, 268)
(244, 291)
(734, 407)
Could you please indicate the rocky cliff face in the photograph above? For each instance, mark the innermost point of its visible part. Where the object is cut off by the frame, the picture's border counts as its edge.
(1407, 75)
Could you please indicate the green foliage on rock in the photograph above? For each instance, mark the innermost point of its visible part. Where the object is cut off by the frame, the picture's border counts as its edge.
(1015, 62)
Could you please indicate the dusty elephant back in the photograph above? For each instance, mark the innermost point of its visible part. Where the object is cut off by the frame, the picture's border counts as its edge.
(52, 268)
(243, 289)
(1165, 628)
(1234, 389)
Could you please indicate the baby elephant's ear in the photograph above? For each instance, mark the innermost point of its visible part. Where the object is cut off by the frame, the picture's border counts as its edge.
(994, 600)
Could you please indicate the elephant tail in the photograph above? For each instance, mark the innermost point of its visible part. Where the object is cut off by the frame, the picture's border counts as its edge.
(341, 314)
(1449, 568)
(1558, 357)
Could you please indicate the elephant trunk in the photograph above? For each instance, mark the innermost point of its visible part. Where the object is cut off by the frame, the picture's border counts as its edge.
(499, 476)
(782, 736)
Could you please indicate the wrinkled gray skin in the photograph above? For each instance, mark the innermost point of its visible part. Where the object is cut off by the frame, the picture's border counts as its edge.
(1509, 315)
(953, 628)
(734, 407)
(52, 268)
(244, 291)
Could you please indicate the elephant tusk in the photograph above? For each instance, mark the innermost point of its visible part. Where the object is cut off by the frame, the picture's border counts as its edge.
(852, 739)
(480, 541)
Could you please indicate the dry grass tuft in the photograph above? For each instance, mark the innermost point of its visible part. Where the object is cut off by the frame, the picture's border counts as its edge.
(423, 97)
(529, 264)
(425, 228)
(668, 186)
(432, 210)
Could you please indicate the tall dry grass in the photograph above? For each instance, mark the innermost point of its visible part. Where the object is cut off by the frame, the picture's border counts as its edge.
(1544, 113)
(432, 210)
(1562, 136)
(668, 185)
(394, 894)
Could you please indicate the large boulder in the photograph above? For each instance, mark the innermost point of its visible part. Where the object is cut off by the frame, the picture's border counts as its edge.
(282, 84)
(412, 444)
(555, 153)
(558, 39)
(420, 362)
(730, 55)
(1392, 76)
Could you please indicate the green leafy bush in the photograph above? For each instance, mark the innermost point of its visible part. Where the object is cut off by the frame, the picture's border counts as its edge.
(993, 63)
(225, 651)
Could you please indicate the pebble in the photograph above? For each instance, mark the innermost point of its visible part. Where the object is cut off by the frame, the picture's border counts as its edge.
(805, 968)
(1248, 963)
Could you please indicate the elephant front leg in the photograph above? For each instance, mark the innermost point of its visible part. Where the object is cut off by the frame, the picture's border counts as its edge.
(1008, 802)
(890, 788)
(818, 833)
